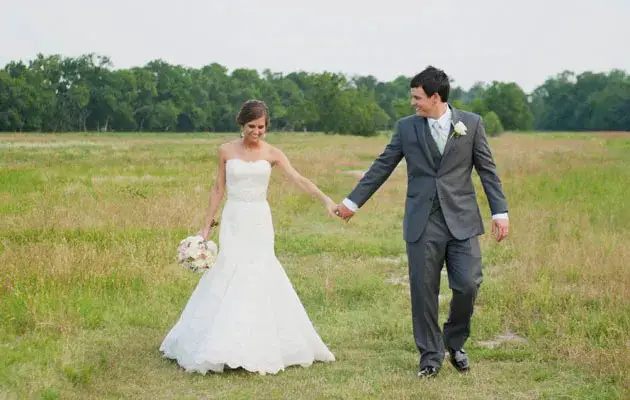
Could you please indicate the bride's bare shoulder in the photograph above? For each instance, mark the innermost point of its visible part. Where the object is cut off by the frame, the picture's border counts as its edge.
(275, 154)
(227, 148)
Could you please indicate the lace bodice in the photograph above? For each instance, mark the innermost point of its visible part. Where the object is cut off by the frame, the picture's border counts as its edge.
(247, 181)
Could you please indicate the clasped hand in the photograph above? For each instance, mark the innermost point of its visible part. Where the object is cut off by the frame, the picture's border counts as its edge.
(338, 210)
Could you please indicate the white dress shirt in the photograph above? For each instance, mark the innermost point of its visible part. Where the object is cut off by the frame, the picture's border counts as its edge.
(440, 128)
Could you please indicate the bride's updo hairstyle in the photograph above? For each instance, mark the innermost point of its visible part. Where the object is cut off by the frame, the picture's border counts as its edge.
(251, 110)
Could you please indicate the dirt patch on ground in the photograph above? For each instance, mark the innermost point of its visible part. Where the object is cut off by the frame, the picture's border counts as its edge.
(508, 337)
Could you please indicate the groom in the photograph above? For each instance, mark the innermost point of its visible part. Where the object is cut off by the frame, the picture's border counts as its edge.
(442, 222)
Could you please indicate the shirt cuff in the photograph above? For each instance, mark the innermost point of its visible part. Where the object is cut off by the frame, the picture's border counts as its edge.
(500, 216)
(350, 204)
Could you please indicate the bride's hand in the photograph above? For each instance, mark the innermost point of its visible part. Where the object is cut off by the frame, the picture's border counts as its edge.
(331, 208)
(204, 233)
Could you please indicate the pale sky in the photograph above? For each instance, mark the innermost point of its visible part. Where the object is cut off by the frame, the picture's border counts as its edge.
(481, 40)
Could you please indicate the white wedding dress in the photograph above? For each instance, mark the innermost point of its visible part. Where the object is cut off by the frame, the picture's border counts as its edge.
(244, 311)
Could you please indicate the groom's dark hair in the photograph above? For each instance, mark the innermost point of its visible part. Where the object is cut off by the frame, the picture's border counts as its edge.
(432, 80)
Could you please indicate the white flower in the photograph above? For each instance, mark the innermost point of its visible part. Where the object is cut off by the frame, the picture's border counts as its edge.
(196, 254)
(212, 247)
(460, 128)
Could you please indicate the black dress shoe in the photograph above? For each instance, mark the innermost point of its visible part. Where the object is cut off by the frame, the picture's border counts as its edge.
(428, 372)
(459, 359)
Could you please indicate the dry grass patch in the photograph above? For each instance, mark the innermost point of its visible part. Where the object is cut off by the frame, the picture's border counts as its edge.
(88, 284)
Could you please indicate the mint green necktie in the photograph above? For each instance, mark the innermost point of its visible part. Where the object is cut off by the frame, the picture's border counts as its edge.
(440, 140)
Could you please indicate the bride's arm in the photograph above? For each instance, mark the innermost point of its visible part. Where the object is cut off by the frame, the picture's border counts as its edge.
(216, 194)
(303, 183)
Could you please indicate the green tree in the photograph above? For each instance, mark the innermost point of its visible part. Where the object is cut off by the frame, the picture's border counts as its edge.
(492, 124)
(55, 94)
(510, 103)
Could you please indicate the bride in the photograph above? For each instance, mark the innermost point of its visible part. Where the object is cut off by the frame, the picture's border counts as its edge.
(244, 311)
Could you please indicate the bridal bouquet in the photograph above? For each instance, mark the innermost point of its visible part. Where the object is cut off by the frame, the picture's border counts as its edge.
(196, 254)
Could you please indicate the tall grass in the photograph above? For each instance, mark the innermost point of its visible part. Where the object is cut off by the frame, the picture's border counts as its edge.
(88, 287)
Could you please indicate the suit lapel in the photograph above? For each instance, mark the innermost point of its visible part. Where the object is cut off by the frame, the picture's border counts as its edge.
(451, 139)
(421, 127)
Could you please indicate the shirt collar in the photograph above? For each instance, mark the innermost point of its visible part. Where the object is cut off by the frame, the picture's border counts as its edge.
(444, 120)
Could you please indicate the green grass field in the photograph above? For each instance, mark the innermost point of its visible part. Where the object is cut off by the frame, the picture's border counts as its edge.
(88, 286)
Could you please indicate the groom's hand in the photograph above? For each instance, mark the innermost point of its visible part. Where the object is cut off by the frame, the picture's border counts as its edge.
(343, 212)
(500, 228)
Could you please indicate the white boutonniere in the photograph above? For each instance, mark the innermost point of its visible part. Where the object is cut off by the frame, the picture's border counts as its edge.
(459, 129)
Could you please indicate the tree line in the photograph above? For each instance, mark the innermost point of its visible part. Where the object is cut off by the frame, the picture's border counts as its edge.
(59, 94)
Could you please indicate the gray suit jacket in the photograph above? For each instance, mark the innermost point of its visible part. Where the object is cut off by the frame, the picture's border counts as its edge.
(450, 182)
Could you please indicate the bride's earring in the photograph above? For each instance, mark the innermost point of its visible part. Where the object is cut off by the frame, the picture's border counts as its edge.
(242, 134)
